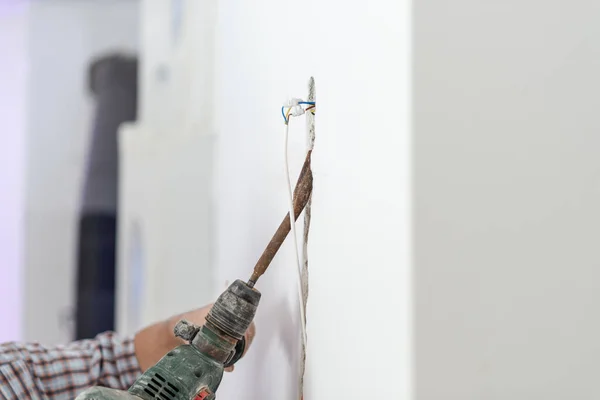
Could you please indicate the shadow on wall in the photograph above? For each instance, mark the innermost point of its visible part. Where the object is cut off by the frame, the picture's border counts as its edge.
(135, 279)
(283, 332)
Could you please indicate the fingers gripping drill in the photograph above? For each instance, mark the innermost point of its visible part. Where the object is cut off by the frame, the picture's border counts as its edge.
(193, 371)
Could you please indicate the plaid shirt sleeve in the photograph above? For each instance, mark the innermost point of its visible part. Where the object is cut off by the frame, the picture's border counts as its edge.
(36, 372)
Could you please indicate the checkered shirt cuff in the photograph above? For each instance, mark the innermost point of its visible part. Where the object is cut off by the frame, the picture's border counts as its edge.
(33, 371)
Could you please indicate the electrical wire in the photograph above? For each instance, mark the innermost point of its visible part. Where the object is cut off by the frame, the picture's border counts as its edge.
(286, 115)
(293, 228)
(285, 119)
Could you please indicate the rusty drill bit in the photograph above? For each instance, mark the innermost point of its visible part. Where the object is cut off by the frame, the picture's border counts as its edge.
(302, 193)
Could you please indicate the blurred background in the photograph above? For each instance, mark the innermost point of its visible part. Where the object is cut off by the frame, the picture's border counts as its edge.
(50, 108)
(142, 170)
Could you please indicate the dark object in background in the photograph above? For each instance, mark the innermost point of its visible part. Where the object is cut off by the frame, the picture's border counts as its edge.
(113, 81)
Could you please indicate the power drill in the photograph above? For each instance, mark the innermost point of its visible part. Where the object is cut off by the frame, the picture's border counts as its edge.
(193, 371)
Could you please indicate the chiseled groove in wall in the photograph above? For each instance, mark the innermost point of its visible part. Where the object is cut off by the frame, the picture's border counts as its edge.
(310, 142)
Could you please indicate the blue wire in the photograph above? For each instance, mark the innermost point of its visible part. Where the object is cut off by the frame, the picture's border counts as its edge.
(310, 103)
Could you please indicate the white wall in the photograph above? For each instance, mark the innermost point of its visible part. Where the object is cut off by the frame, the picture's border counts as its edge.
(360, 215)
(13, 70)
(63, 36)
(266, 51)
(165, 230)
(507, 195)
(166, 170)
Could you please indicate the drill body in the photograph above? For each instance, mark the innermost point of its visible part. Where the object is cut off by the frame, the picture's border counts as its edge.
(193, 371)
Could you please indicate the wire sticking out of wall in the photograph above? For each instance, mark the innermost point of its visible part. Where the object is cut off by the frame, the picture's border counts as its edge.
(295, 108)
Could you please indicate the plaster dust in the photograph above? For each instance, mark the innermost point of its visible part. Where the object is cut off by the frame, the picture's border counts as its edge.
(310, 143)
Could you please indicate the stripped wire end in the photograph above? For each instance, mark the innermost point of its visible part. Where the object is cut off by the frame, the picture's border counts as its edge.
(295, 109)
(286, 119)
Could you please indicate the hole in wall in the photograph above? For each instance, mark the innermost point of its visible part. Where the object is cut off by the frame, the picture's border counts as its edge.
(310, 142)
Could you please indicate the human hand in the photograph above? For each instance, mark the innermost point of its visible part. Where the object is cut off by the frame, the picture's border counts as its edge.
(153, 342)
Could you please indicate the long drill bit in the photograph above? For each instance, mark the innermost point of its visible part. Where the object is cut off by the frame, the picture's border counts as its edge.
(302, 193)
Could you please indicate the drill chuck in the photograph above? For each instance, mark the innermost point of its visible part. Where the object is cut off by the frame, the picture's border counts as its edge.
(222, 337)
(234, 310)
